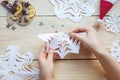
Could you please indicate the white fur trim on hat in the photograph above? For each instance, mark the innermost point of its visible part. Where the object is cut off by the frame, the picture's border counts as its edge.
(112, 1)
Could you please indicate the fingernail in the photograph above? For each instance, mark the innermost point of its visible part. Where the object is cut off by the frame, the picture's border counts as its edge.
(71, 33)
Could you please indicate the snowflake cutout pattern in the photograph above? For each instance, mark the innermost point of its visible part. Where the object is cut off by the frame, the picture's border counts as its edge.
(61, 43)
(73, 9)
(14, 66)
(112, 23)
(115, 50)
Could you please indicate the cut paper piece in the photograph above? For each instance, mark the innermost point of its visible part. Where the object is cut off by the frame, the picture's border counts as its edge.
(115, 50)
(73, 9)
(105, 6)
(61, 43)
(14, 66)
(112, 23)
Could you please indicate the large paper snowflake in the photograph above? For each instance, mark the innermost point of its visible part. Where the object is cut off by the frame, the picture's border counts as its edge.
(115, 50)
(73, 9)
(14, 66)
(61, 43)
(113, 23)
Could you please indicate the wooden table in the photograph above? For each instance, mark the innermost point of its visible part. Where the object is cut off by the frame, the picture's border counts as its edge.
(84, 66)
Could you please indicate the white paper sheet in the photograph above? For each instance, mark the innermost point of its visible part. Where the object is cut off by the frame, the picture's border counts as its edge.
(61, 43)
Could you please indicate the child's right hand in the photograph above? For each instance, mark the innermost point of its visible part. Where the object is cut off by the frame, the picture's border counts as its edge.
(90, 41)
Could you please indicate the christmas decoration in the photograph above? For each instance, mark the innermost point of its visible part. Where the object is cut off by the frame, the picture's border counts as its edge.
(20, 11)
(115, 50)
(14, 66)
(61, 43)
(105, 6)
(112, 23)
(73, 9)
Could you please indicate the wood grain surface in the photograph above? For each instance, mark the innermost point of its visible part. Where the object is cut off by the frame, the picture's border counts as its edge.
(83, 66)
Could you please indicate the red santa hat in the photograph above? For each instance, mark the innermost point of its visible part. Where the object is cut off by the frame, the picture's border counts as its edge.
(105, 6)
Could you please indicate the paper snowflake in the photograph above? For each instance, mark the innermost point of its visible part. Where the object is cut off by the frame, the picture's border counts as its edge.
(113, 23)
(61, 43)
(115, 50)
(73, 9)
(14, 66)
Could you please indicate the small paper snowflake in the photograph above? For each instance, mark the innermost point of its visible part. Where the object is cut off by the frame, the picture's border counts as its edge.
(112, 23)
(73, 9)
(61, 43)
(115, 50)
(14, 66)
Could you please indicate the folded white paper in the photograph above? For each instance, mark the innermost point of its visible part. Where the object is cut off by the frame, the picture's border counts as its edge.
(61, 43)
(14, 66)
(73, 9)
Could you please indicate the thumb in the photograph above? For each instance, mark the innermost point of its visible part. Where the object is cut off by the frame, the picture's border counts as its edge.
(50, 54)
(77, 36)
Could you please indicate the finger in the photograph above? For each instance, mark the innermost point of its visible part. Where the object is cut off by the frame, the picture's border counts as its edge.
(82, 29)
(55, 56)
(50, 54)
(77, 36)
(43, 50)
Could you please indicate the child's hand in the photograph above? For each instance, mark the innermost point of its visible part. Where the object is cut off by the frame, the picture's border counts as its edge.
(45, 61)
(90, 41)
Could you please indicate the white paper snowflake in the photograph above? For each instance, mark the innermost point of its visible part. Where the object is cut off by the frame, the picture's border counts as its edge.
(14, 66)
(112, 23)
(115, 50)
(61, 43)
(73, 9)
